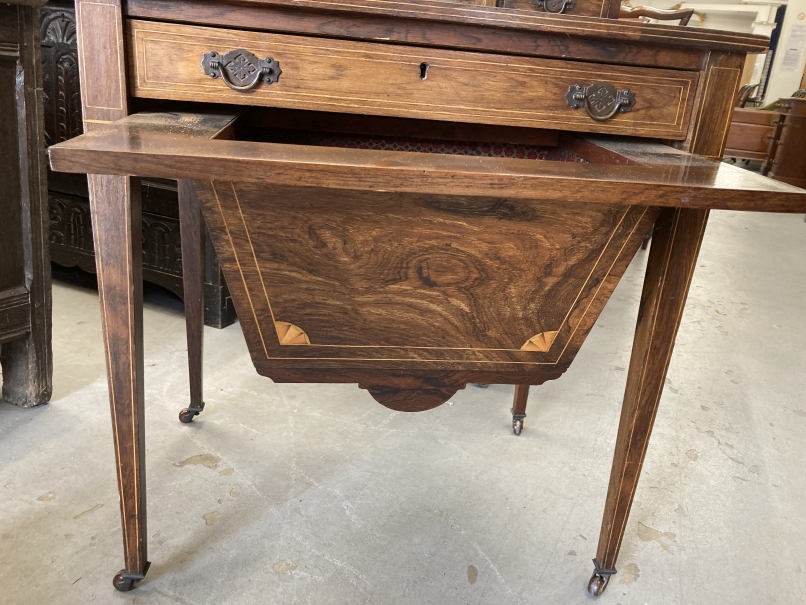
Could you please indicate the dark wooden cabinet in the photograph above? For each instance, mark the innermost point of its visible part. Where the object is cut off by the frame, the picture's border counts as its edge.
(789, 164)
(71, 242)
(25, 294)
(753, 135)
(773, 136)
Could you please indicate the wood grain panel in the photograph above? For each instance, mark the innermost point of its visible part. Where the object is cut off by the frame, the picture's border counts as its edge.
(358, 77)
(423, 281)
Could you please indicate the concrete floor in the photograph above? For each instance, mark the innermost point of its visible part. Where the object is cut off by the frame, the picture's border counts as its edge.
(316, 494)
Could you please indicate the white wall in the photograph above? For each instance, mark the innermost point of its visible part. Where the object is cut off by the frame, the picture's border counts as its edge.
(784, 80)
(784, 83)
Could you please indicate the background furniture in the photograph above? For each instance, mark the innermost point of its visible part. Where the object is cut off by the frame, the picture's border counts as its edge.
(410, 274)
(753, 135)
(789, 164)
(25, 295)
(744, 96)
(773, 136)
(645, 13)
(71, 243)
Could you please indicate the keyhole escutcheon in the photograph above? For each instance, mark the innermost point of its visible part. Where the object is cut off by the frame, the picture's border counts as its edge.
(424, 70)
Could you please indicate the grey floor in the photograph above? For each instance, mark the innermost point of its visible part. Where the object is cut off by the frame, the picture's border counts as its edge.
(316, 494)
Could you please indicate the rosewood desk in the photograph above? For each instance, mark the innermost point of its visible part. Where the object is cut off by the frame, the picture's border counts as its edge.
(409, 196)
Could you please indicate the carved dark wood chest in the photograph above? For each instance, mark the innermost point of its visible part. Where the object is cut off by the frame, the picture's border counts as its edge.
(25, 301)
(71, 243)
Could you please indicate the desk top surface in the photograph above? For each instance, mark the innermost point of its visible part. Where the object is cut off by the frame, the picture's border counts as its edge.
(167, 145)
(465, 15)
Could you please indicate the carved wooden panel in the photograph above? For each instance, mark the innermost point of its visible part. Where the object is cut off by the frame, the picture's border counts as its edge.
(60, 73)
(70, 224)
(71, 231)
(71, 245)
(70, 227)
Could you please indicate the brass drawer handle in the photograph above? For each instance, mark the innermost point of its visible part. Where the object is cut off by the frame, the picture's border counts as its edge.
(555, 6)
(601, 100)
(240, 69)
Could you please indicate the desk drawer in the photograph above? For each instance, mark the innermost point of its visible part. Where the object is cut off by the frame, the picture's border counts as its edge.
(403, 81)
(753, 139)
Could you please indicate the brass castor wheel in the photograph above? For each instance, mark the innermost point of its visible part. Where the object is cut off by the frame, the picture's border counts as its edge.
(601, 576)
(517, 422)
(188, 414)
(596, 585)
(123, 583)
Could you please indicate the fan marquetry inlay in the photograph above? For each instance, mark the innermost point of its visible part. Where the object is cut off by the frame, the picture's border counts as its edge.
(289, 334)
(540, 342)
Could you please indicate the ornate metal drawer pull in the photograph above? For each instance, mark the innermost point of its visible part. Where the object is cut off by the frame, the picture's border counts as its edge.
(601, 100)
(240, 69)
(555, 6)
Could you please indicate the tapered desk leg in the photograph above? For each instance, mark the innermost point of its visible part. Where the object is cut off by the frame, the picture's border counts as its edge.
(116, 221)
(519, 407)
(192, 233)
(672, 258)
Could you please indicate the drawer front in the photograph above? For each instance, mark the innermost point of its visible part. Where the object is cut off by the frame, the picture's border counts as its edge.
(394, 80)
(749, 137)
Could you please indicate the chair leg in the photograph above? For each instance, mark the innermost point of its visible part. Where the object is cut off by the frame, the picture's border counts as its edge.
(115, 206)
(671, 263)
(519, 407)
(191, 227)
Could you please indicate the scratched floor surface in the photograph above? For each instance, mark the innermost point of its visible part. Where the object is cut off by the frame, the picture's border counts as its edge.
(284, 494)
